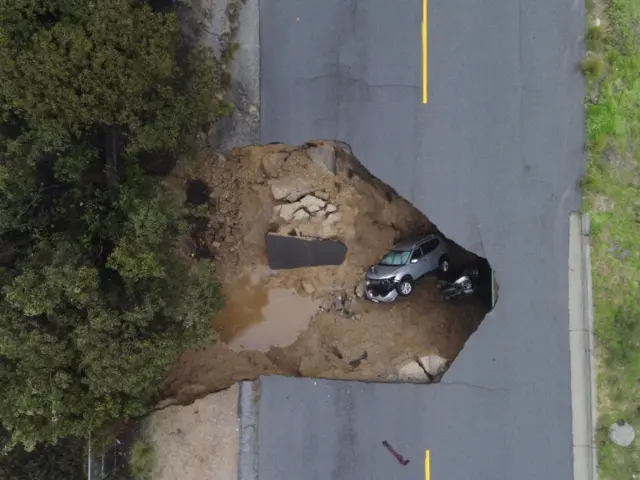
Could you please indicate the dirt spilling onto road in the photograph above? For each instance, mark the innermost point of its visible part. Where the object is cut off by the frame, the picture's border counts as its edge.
(309, 321)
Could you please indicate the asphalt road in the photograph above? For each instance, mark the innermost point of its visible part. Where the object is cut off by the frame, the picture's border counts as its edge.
(494, 160)
(322, 430)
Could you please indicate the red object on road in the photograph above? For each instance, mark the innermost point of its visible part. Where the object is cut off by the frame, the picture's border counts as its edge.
(398, 457)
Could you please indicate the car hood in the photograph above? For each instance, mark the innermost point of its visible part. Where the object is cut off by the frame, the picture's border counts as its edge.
(378, 272)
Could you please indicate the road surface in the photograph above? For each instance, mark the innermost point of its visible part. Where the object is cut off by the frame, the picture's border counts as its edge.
(493, 159)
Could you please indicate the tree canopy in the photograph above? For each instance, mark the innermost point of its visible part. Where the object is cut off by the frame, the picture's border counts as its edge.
(46, 462)
(95, 300)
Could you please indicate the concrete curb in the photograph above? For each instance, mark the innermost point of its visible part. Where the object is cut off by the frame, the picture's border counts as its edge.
(248, 424)
(590, 329)
(581, 340)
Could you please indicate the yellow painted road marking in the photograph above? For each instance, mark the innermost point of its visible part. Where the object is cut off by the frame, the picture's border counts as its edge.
(425, 84)
(427, 463)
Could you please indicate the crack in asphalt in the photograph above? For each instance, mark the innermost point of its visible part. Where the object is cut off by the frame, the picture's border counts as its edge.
(471, 385)
(424, 369)
(356, 80)
(528, 90)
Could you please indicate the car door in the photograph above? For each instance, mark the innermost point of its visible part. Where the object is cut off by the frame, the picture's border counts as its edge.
(422, 267)
(429, 260)
(416, 263)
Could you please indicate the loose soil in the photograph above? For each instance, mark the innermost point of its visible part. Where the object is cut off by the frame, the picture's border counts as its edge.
(309, 321)
(198, 441)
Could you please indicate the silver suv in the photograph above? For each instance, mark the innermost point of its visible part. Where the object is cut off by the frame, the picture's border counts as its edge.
(403, 264)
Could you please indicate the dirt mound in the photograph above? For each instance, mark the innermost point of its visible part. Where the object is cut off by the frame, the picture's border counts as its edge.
(310, 321)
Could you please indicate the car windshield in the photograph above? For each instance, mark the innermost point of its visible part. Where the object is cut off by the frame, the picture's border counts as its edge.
(395, 258)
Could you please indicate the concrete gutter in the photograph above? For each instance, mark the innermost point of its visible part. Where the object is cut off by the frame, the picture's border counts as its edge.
(581, 338)
(242, 127)
(248, 423)
(590, 325)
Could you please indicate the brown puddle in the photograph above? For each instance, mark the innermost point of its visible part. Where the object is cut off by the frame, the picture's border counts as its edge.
(258, 318)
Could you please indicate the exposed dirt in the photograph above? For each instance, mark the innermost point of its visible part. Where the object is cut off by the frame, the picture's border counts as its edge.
(309, 321)
(198, 441)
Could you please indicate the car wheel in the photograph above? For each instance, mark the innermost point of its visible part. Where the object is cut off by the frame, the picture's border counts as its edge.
(444, 264)
(405, 286)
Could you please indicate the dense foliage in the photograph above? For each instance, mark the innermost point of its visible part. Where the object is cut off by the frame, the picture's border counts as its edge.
(63, 461)
(95, 301)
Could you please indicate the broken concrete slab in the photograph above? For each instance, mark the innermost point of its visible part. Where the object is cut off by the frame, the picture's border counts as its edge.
(285, 252)
(434, 365)
(290, 190)
(288, 210)
(300, 215)
(412, 372)
(324, 155)
(312, 204)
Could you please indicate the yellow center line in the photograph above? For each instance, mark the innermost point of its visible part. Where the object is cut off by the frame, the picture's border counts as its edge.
(427, 465)
(425, 83)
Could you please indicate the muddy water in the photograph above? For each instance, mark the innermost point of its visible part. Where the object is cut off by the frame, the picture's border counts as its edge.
(258, 318)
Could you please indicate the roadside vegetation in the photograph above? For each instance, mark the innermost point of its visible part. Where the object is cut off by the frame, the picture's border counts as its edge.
(612, 197)
(142, 460)
(99, 292)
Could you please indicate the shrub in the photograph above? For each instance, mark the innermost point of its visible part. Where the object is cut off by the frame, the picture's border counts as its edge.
(592, 67)
(142, 460)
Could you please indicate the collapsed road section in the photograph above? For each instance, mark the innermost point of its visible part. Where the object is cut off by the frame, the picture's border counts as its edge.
(296, 303)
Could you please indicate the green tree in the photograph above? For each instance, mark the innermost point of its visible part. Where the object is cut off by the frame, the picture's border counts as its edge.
(70, 66)
(62, 461)
(95, 301)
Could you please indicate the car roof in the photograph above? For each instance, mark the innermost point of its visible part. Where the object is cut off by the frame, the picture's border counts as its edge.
(409, 244)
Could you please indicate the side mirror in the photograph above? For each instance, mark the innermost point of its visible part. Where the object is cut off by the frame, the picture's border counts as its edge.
(414, 260)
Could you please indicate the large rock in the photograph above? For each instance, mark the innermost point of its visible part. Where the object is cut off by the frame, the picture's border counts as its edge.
(300, 215)
(288, 210)
(323, 155)
(333, 218)
(308, 287)
(312, 204)
(412, 372)
(321, 194)
(280, 192)
(433, 364)
(272, 163)
(290, 190)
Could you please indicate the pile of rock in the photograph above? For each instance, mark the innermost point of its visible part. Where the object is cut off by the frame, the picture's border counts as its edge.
(307, 207)
(340, 303)
(300, 204)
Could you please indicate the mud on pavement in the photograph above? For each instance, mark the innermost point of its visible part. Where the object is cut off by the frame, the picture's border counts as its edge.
(310, 321)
